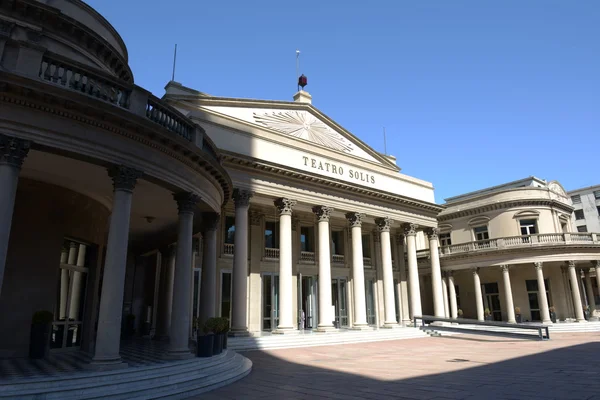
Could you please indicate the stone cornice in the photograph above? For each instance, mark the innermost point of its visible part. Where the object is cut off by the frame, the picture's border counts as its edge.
(506, 204)
(329, 182)
(43, 97)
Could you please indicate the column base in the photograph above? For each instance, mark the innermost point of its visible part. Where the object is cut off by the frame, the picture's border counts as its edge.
(549, 322)
(582, 320)
(178, 355)
(406, 322)
(391, 325)
(239, 333)
(326, 329)
(285, 331)
(514, 321)
(361, 327)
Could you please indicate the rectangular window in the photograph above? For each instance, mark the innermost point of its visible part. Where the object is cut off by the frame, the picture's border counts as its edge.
(337, 243)
(532, 294)
(582, 228)
(229, 230)
(307, 238)
(271, 235)
(366, 245)
(576, 199)
(226, 294)
(597, 194)
(528, 226)
(481, 233)
(457, 296)
(579, 214)
(445, 239)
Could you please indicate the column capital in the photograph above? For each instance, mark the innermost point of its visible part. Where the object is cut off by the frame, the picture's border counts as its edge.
(505, 267)
(596, 263)
(570, 264)
(538, 265)
(255, 217)
(124, 178)
(210, 221)
(410, 229)
(284, 206)
(383, 224)
(186, 201)
(241, 197)
(322, 212)
(355, 219)
(399, 239)
(450, 273)
(475, 271)
(433, 233)
(13, 151)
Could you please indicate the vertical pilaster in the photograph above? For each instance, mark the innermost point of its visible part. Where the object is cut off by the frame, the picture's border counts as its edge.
(452, 289)
(180, 315)
(324, 286)
(413, 270)
(445, 294)
(166, 303)
(13, 152)
(286, 294)
(208, 284)
(597, 268)
(478, 296)
(383, 225)
(403, 294)
(358, 272)
(113, 284)
(239, 318)
(542, 298)
(589, 290)
(508, 297)
(575, 292)
(436, 273)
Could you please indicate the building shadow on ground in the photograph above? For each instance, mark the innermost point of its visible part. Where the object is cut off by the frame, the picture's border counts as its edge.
(570, 372)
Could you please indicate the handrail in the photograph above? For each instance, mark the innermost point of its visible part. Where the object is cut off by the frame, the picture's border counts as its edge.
(170, 119)
(543, 330)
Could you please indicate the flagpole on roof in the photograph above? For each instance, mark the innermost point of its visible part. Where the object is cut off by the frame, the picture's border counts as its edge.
(384, 143)
(174, 62)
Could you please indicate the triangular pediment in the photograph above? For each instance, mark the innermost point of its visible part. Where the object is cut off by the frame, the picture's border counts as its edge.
(299, 121)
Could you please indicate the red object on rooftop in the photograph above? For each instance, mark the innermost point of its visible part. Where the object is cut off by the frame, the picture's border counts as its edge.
(302, 81)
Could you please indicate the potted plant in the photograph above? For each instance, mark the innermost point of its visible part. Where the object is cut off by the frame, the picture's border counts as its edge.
(39, 340)
(459, 313)
(586, 312)
(518, 317)
(552, 314)
(205, 341)
(488, 314)
(224, 331)
(214, 324)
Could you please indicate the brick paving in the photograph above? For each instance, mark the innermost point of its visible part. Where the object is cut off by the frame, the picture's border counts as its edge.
(452, 367)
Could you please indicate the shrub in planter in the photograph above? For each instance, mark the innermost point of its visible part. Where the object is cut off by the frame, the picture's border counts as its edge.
(518, 317)
(586, 312)
(205, 341)
(488, 314)
(459, 313)
(552, 314)
(214, 325)
(224, 330)
(39, 340)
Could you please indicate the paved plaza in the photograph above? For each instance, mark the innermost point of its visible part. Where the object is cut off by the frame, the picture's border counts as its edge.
(449, 367)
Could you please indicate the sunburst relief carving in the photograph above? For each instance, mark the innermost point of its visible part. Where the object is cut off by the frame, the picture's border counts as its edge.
(304, 125)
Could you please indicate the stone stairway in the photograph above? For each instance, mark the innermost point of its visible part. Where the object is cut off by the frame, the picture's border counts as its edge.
(560, 327)
(166, 380)
(310, 339)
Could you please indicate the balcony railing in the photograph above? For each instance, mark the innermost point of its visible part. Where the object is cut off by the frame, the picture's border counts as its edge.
(228, 249)
(168, 118)
(338, 258)
(272, 254)
(307, 257)
(547, 239)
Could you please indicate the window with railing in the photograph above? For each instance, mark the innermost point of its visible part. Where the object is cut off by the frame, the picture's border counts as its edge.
(337, 243)
(579, 214)
(481, 236)
(229, 230)
(445, 239)
(597, 194)
(271, 235)
(307, 238)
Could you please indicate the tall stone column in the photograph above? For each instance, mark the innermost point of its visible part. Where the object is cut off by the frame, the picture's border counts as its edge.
(77, 280)
(589, 290)
(163, 327)
(575, 292)
(445, 294)
(389, 304)
(358, 272)
(597, 268)
(208, 285)
(452, 288)
(324, 286)
(286, 295)
(113, 284)
(180, 315)
(436, 273)
(478, 296)
(403, 295)
(510, 307)
(239, 310)
(413, 271)
(13, 152)
(542, 298)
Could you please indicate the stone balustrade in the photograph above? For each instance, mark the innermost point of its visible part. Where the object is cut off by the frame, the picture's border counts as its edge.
(307, 257)
(228, 249)
(271, 254)
(338, 259)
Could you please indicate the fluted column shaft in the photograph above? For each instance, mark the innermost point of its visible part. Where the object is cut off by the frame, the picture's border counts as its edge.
(597, 268)
(180, 315)
(436, 273)
(452, 288)
(403, 295)
(478, 296)
(208, 285)
(166, 306)
(13, 152)
(358, 272)
(286, 319)
(325, 318)
(413, 271)
(113, 284)
(239, 311)
(510, 308)
(589, 290)
(445, 294)
(575, 292)
(389, 303)
(542, 298)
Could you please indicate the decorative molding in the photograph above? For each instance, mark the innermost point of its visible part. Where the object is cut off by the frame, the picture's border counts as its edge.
(355, 219)
(507, 204)
(34, 36)
(475, 271)
(211, 221)
(445, 228)
(6, 27)
(255, 217)
(284, 206)
(527, 213)
(432, 233)
(410, 229)
(383, 224)
(186, 202)
(241, 197)
(323, 213)
(13, 151)
(570, 264)
(596, 263)
(505, 268)
(538, 265)
(124, 178)
(479, 220)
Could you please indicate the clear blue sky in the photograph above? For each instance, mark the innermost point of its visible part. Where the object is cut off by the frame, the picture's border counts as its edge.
(472, 93)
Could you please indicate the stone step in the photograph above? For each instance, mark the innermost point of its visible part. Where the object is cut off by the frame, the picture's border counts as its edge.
(169, 380)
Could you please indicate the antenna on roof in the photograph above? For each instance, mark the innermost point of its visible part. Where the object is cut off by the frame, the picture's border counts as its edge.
(297, 64)
(384, 143)
(174, 62)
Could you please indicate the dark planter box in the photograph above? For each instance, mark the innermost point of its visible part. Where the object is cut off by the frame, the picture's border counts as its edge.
(553, 317)
(518, 318)
(205, 344)
(224, 341)
(39, 341)
(586, 315)
(489, 318)
(218, 344)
